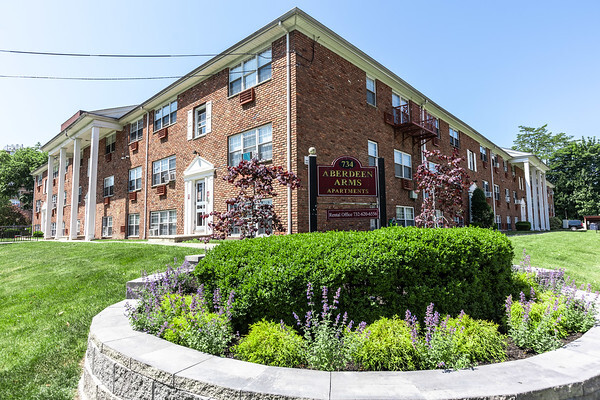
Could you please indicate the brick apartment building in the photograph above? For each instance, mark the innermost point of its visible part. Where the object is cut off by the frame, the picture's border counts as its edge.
(153, 170)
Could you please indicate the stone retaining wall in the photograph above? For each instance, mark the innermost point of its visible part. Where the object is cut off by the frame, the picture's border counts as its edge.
(121, 363)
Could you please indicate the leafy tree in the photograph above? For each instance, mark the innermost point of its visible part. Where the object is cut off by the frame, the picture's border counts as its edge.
(482, 214)
(540, 141)
(247, 211)
(10, 215)
(443, 188)
(575, 171)
(15, 173)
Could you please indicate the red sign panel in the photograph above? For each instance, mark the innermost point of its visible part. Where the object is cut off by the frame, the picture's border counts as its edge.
(355, 213)
(347, 177)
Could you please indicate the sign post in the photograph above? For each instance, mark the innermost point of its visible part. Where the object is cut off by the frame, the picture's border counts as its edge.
(383, 222)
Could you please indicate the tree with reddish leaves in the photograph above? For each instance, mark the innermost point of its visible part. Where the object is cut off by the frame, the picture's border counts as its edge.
(248, 211)
(443, 186)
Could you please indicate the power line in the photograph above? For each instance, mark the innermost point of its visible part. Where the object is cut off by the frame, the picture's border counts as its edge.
(44, 53)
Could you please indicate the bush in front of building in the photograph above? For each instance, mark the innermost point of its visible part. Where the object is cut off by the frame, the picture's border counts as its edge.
(38, 234)
(523, 226)
(555, 223)
(482, 214)
(382, 273)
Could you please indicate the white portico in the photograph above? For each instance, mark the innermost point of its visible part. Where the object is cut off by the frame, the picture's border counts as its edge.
(198, 179)
(536, 189)
(82, 130)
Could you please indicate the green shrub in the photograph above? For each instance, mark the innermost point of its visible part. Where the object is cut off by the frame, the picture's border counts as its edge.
(481, 212)
(270, 343)
(479, 340)
(386, 345)
(523, 226)
(380, 272)
(555, 223)
(38, 234)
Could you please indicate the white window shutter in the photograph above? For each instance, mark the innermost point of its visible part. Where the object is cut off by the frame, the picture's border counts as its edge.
(208, 116)
(190, 125)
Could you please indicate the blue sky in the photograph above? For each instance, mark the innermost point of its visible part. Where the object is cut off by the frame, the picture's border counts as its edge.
(495, 65)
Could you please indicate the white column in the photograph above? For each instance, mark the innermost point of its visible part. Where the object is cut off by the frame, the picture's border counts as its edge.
(75, 189)
(49, 188)
(60, 198)
(528, 192)
(545, 211)
(90, 204)
(535, 202)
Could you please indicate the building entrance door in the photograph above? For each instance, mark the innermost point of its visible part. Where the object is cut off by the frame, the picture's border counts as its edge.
(200, 206)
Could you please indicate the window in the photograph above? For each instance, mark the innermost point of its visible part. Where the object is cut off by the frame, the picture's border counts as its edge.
(486, 188)
(508, 223)
(55, 170)
(497, 192)
(471, 161)
(107, 225)
(53, 201)
(79, 194)
(515, 199)
(431, 166)
(67, 163)
(136, 130)
(64, 228)
(163, 223)
(46, 186)
(65, 198)
(133, 225)
(521, 185)
(402, 165)
(165, 115)
(38, 205)
(109, 186)
(371, 91)
(36, 227)
(78, 227)
(250, 72)
(135, 179)
(373, 150)
(253, 143)
(505, 164)
(262, 231)
(454, 140)
(507, 195)
(163, 170)
(514, 171)
(110, 143)
(495, 161)
(405, 216)
(483, 153)
(53, 229)
(200, 129)
(499, 222)
(40, 180)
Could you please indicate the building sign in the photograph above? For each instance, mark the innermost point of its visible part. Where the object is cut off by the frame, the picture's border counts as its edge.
(346, 177)
(353, 213)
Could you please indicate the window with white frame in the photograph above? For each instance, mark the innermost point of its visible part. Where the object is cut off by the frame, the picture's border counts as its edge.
(165, 115)
(38, 205)
(402, 165)
(508, 223)
(497, 192)
(454, 139)
(521, 185)
(499, 222)
(163, 171)
(505, 165)
(55, 170)
(40, 179)
(483, 153)
(37, 227)
(402, 115)
(110, 143)
(514, 170)
(64, 229)
(405, 216)
(507, 195)
(136, 130)
(247, 145)
(373, 151)
(250, 72)
(515, 198)
(67, 163)
(53, 229)
(133, 225)
(471, 161)
(107, 226)
(262, 231)
(79, 196)
(45, 190)
(486, 188)
(495, 161)
(54, 201)
(163, 223)
(371, 91)
(65, 198)
(200, 118)
(432, 167)
(78, 227)
(135, 179)
(109, 186)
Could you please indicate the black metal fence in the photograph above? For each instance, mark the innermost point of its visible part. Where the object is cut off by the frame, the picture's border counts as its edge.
(14, 233)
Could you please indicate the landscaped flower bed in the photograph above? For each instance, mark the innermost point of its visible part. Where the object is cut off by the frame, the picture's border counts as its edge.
(323, 336)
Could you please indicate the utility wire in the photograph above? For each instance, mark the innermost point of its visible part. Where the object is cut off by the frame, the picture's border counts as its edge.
(44, 53)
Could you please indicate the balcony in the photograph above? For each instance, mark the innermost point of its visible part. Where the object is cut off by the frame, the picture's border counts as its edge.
(412, 121)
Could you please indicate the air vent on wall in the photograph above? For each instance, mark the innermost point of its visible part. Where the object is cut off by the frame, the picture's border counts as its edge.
(247, 96)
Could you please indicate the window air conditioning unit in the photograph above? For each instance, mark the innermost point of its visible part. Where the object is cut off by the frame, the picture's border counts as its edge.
(171, 176)
(133, 146)
(488, 194)
(162, 134)
(161, 190)
(107, 201)
(153, 232)
(133, 196)
(413, 195)
(407, 184)
(123, 228)
(247, 96)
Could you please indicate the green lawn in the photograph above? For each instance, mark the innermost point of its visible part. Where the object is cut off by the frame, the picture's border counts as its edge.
(577, 252)
(49, 293)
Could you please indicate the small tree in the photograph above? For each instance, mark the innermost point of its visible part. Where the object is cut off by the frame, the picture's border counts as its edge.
(248, 211)
(481, 212)
(442, 187)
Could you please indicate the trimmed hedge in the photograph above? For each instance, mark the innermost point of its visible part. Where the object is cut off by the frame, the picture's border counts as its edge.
(382, 273)
(523, 226)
